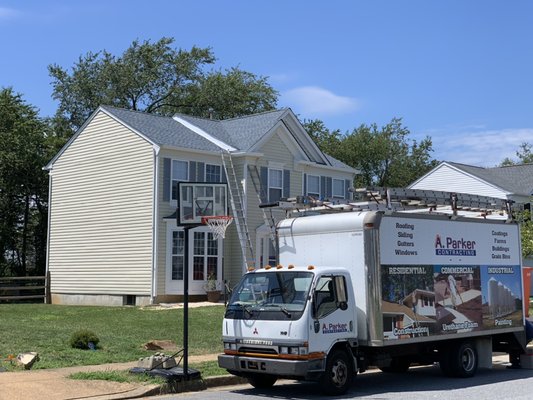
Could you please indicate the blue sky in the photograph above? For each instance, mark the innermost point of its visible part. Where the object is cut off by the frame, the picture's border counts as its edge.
(458, 71)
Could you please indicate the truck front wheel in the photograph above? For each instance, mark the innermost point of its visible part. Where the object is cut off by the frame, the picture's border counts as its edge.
(260, 381)
(338, 376)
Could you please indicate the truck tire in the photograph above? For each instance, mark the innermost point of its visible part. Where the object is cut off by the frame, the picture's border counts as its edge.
(260, 381)
(338, 376)
(462, 360)
(398, 365)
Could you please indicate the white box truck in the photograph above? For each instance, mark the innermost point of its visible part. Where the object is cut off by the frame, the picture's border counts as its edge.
(383, 289)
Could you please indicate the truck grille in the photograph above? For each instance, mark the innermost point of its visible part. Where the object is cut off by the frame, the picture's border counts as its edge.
(256, 350)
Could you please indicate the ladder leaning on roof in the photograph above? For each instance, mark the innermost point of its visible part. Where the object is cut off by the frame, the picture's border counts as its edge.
(237, 208)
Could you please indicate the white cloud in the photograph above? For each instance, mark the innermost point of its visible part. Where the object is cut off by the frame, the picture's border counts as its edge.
(8, 13)
(484, 148)
(313, 102)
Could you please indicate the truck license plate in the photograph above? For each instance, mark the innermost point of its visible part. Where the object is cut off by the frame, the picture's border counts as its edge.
(255, 365)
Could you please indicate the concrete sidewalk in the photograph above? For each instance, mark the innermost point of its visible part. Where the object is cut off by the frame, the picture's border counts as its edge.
(53, 384)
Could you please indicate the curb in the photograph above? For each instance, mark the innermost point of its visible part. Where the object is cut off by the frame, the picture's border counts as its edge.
(180, 387)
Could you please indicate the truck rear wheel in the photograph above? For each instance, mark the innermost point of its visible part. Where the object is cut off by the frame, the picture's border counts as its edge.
(338, 376)
(261, 381)
(460, 361)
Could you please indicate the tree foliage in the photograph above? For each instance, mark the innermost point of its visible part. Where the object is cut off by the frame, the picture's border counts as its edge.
(384, 156)
(526, 232)
(524, 154)
(157, 78)
(24, 150)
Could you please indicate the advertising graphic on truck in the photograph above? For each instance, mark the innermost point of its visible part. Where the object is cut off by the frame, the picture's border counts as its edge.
(473, 283)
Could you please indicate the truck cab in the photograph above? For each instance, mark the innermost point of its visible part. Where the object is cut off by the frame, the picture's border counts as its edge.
(289, 322)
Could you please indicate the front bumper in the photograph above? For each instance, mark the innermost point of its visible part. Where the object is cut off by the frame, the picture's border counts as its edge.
(296, 369)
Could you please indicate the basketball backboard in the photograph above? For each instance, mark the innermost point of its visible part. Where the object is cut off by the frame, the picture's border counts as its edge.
(201, 199)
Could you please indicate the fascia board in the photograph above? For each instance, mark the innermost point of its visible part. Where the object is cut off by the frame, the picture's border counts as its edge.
(478, 178)
(329, 167)
(300, 131)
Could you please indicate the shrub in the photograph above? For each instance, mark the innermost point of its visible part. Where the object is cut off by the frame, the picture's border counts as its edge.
(84, 339)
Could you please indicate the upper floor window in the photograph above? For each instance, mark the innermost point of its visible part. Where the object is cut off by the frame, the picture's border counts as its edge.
(180, 172)
(313, 185)
(212, 173)
(338, 188)
(275, 184)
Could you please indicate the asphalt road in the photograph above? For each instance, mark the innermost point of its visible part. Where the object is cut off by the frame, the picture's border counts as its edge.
(419, 383)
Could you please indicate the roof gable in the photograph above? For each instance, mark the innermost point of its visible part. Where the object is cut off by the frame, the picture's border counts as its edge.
(499, 181)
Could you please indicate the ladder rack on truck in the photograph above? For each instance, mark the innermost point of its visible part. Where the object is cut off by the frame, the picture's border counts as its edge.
(400, 199)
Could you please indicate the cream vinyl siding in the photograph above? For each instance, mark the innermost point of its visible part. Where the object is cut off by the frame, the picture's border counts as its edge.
(102, 212)
(446, 178)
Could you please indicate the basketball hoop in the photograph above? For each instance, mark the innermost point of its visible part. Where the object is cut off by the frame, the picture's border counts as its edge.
(218, 224)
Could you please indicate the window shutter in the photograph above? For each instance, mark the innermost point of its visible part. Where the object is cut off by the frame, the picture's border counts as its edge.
(329, 188)
(200, 172)
(223, 177)
(166, 178)
(346, 189)
(192, 171)
(286, 183)
(264, 184)
(322, 187)
(305, 185)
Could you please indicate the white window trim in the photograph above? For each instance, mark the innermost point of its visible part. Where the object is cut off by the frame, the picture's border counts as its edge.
(307, 185)
(275, 187)
(213, 165)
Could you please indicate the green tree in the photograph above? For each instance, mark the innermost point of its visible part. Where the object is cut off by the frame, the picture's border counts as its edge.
(524, 154)
(23, 186)
(328, 141)
(157, 78)
(386, 156)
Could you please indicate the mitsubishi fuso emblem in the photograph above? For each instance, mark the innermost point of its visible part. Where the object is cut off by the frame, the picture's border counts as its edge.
(255, 332)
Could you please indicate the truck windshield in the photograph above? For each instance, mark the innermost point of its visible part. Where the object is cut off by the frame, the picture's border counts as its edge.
(266, 295)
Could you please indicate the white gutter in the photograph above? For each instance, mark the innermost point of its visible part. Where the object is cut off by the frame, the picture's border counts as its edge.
(204, 134)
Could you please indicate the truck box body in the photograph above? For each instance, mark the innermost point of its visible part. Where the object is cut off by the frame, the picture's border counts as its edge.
(416, 277)
(372, 288)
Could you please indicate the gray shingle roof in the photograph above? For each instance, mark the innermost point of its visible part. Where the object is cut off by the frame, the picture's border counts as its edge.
(516, 179)
(241, 133)
(164, 131)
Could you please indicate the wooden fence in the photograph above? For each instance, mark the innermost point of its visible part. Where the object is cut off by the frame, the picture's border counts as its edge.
(24, 288)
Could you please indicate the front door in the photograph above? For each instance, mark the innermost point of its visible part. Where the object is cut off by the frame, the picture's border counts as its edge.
(205, 259)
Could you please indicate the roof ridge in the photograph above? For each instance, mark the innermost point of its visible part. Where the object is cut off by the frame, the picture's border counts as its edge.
(254, 115)
(107, 107)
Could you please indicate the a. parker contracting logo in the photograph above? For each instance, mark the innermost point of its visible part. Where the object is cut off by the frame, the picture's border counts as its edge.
(449, 246)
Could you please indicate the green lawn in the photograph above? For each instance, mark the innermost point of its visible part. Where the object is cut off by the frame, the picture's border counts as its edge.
(46, 329)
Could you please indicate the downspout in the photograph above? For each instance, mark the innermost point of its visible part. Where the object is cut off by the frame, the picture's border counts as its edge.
(245, 205)
(48, 295)
(155, 224)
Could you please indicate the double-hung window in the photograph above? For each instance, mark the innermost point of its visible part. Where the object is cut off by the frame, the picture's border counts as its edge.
(338, 189)
(275, 184)
(180, 172)
(212, 173)
(313, 185)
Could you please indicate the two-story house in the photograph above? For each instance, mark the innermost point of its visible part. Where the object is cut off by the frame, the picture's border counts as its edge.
(113, 238)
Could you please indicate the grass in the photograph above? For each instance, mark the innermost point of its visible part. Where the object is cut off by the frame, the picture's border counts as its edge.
(46, 329)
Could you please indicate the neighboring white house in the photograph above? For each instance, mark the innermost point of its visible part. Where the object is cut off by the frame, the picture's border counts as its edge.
(113, 237)
(513, 182)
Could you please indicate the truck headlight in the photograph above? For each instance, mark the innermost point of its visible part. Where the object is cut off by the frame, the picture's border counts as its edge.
(293, 350)
(284, 350)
